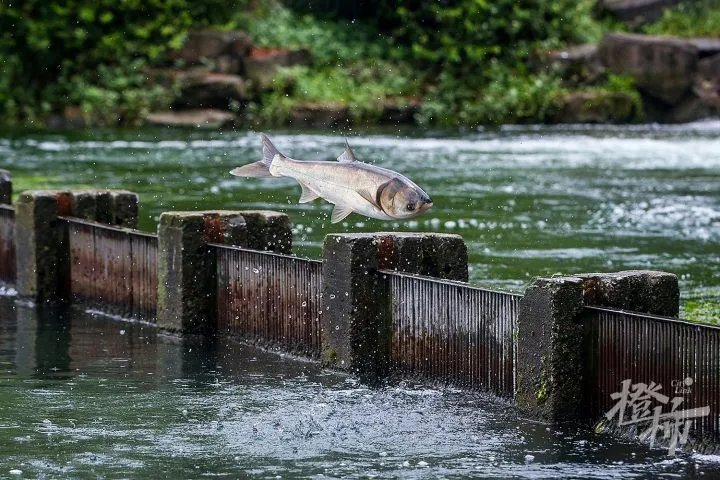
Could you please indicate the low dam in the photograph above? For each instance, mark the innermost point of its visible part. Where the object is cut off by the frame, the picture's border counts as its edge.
(386, 307)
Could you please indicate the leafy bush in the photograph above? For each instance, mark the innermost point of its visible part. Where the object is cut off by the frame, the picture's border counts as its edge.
(693, 19)
(362, 86)
(465, 35)
(48, 46)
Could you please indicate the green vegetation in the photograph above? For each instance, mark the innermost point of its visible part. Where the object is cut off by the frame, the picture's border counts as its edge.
(696, 19)
(702, 311)
(90, 53)
(470, 62)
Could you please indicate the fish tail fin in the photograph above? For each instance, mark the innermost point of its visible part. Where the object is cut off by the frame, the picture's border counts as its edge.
(269, 151)
(260, 169)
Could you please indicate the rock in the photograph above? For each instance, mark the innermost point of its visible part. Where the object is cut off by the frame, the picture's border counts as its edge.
(646, 291)
(320, 115)
(636, 12)
(206, 118)
(707, 47)
(263, 63)
(594, 107)
(210, 90)
(577, 65)
(663, 67)
(399, 111)
(71, 117)
(223, 49)
(707, 81)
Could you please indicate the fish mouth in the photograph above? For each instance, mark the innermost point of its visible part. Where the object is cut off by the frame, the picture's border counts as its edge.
(426, 206)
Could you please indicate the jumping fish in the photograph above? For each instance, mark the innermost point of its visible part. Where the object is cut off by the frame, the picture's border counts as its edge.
(353, 186)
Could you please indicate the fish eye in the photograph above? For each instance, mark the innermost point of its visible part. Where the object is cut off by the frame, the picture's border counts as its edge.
(410, 207)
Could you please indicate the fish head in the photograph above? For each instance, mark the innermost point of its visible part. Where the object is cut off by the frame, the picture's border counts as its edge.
(400, 198)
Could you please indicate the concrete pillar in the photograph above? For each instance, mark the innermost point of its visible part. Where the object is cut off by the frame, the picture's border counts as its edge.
(117, 207)
(84, 205)
(356, 303)
(645, 291)
(42, 247)
(268, 230)
(5, 187)
(552, 368)
(187, 267)
(550, 350)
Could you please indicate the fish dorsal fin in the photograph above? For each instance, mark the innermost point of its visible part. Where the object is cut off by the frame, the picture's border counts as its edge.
(347, 156)
(308, 195)
(339, 213)
(269, 150)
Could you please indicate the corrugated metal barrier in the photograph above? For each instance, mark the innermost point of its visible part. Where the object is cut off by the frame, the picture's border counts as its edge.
(114, 266)
(270, 298)
(452, 332)
(660, 353)
(7, 244)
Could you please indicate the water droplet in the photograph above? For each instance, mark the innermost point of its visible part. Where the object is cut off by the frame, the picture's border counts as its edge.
(256, 270)
(332, 296)
(304, 304)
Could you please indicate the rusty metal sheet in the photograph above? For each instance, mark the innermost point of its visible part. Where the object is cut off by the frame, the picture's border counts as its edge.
(650, 349)
(7, 244)
(114, 269)
(453, 333)
(270, 298)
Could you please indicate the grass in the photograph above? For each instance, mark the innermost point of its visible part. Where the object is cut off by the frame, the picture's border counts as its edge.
(693, 19)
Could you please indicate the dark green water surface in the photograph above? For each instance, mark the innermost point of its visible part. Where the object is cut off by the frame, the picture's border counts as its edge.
(90, 397)
(528, 201)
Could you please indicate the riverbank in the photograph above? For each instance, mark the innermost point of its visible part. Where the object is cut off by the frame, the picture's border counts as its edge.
(263, 64)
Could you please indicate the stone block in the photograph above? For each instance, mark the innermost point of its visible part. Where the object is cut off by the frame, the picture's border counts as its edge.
(356, 301)
(197, 118)
(202, 46)
(594, 107)
(5, 187)
(84, 205)
(117, 207)
(187, 267)
(644, 291)
(663, 67)
(263, 63)
(268, 230)
(210, 90)
(637, 12)
(42, 246)
(550, 350)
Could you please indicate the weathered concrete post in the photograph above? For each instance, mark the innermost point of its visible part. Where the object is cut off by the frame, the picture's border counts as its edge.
(117, 207)
(549, 369)
(41, 242)
(268, 230)
(187, 267)
(5, 187)
(646, 291)
(552, 367)
(356, 310)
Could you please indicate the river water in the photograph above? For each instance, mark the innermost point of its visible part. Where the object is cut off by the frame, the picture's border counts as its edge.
(529, 201)
(85, 396)
(90, 397)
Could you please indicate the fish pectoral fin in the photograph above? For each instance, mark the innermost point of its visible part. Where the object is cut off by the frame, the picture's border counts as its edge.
(339, 213)
(369, 197)
(308, 195)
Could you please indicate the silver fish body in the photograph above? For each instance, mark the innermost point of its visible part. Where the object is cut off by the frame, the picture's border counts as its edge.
(351, 185)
